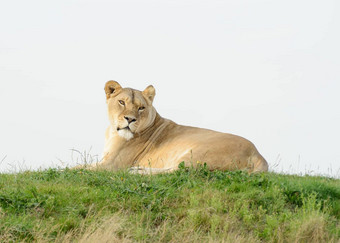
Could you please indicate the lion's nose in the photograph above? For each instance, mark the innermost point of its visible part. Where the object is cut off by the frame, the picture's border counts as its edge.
(130, 119)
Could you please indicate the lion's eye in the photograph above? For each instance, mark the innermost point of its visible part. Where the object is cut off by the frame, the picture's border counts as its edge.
(121, 102)
(141, 108)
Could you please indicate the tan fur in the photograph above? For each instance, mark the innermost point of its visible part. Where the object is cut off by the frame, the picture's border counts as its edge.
(160, 144)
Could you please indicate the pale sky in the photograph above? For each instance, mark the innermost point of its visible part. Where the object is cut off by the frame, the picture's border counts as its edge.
(265, 70)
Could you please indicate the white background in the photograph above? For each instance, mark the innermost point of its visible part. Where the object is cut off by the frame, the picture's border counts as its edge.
(266, 70)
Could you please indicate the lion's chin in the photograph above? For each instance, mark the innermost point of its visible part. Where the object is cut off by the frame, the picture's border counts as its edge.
(125, 133)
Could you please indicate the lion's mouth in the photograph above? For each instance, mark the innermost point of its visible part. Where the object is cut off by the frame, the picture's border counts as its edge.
(125, 132)
(124, 128)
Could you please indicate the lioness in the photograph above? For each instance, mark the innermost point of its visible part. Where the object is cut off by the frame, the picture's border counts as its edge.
(140, 138)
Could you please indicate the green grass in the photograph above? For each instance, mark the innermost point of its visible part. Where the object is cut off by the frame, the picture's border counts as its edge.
(188, 205)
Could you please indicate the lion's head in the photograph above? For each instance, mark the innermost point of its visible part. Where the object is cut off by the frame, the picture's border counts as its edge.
(130, 111)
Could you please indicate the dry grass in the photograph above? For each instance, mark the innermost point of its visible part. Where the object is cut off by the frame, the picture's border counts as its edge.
(311, 229)
(106, 232)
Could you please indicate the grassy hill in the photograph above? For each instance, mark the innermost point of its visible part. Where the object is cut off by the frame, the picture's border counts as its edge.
(189, 205)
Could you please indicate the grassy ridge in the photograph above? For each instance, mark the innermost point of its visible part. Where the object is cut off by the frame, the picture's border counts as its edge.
(188, 205)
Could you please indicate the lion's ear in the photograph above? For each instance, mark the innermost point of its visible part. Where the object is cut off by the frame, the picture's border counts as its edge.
(111, 87)
(149, 93)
